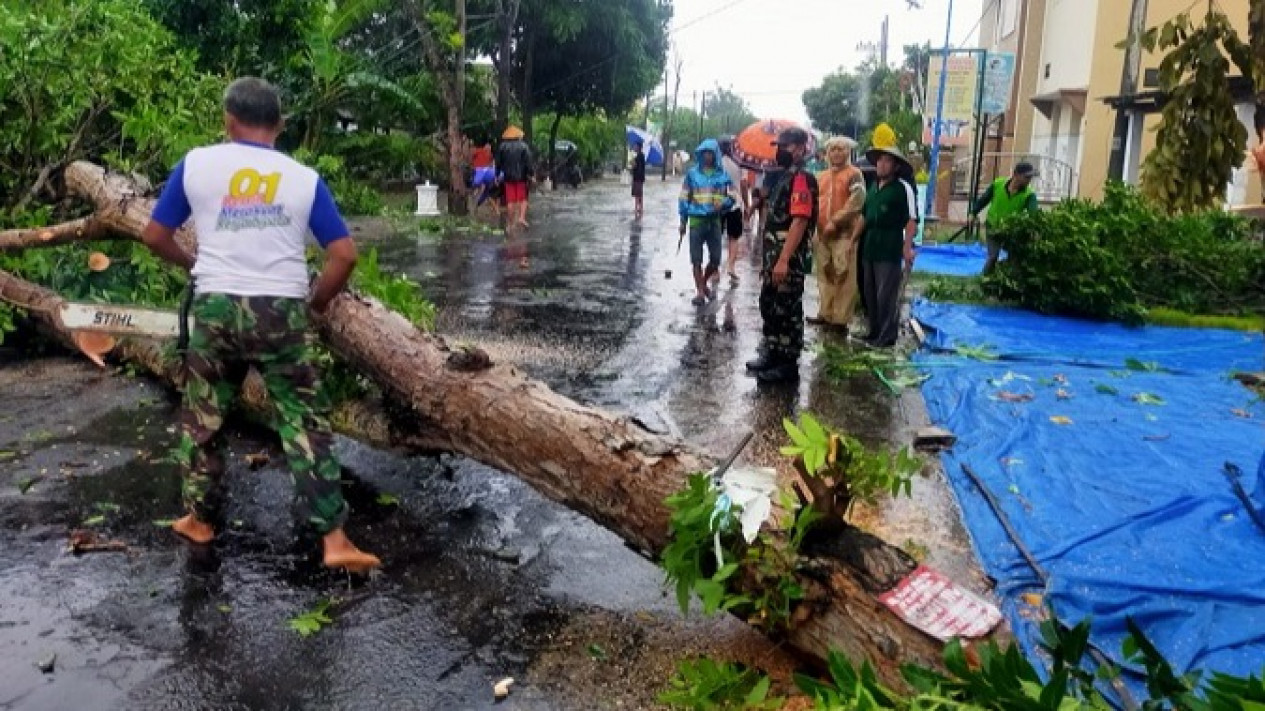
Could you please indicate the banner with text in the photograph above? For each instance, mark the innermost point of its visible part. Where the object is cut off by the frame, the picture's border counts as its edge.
(961, 88)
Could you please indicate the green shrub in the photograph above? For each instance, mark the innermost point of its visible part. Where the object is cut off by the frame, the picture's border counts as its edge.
(706, 685)
(383, 158)
(352, 196)
(1116, 259)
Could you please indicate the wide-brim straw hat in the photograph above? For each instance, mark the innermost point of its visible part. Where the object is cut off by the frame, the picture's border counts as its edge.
(873, 154)
(513, 133)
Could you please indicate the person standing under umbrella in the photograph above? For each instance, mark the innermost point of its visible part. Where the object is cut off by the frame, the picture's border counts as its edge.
(704, 200)
(513, 160)
(788, 235)
(889, 221)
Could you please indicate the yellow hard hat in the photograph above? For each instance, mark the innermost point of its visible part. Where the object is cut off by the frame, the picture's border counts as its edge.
(884, 137)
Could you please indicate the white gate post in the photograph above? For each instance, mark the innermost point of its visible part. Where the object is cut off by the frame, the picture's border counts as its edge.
(427, 200)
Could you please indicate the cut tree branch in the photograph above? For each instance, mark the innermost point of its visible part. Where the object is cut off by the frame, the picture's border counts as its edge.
(85, 228)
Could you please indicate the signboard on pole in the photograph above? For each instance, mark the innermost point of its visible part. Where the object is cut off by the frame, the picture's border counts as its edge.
(999, 76)
(961, 88)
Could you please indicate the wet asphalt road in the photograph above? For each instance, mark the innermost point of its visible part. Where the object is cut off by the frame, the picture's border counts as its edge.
(483, 577)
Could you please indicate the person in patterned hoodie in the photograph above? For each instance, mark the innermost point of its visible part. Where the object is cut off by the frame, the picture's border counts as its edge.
(706, 195)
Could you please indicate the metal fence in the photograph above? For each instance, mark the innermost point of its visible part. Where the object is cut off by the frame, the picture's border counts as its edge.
(1057, 179)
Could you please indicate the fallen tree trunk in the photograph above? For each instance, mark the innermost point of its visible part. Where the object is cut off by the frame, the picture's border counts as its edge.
(608, 468)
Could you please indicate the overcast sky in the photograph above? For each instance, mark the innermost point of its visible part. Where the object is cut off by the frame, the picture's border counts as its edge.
(770, 51)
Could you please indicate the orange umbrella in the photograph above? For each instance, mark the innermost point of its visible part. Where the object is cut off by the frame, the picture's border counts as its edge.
(754, 149)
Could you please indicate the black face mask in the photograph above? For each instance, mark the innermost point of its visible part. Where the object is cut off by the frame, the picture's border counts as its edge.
(785, 158)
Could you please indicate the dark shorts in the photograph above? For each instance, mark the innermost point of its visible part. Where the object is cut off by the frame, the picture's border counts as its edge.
(515, 192)
(639, 187)
(733, 224)
(705, 234)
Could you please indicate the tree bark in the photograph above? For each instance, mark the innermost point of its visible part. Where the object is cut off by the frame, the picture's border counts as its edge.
(527, 98)
(450, 74)
(608, 468)
(553, 145)
(507, 16)
(73, 231)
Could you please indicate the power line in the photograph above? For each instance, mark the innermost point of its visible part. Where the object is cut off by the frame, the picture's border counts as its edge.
(712, 13)
(978, 22)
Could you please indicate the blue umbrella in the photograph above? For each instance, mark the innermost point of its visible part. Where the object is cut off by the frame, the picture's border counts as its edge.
(654, 149)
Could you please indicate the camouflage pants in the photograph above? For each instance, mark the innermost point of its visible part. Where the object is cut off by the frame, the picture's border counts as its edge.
(232, 333)
(782, 307)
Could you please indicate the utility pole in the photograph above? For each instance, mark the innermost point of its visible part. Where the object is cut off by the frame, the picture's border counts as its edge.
(938, 126)
(1128, 87)
(883, 42)
(702, 108)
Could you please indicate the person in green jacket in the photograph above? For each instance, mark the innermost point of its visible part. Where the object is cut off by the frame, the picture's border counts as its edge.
(1005, 197)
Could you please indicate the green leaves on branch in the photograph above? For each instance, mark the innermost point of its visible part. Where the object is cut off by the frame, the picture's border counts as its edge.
(135, 275)
(690, 559)
(397, 292)
(988, 679)
(708, 557)
(843, 470)
(98, 80)
(1201, 140)
(706, 685)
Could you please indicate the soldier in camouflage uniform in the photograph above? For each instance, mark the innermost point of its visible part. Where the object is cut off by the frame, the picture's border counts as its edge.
(788, 234)
(234, 332)
(253, 208)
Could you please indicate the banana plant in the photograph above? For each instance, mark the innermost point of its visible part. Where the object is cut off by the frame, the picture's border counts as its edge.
(335, 75)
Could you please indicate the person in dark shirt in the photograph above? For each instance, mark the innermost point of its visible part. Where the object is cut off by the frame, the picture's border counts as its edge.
(514, 161)
(638, 179)
(889, 220)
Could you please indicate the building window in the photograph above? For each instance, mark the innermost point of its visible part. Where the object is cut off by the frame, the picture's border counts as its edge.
(1009, 17)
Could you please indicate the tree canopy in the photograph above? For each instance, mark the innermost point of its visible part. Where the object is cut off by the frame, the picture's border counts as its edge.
(853, 102)
(131, 97)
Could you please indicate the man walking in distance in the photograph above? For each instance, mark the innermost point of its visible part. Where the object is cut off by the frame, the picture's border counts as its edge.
(1005, 197)
(889, 221)
(788, 234)
(834, 251)
(253, 207)
(735, 219)
(513, 160)
(704, 201)
(638, 179)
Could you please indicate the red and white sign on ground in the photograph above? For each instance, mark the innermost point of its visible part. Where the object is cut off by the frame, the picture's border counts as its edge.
(934, 604)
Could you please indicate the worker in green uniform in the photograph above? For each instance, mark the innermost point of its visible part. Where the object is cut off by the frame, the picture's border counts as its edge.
(1004, 198)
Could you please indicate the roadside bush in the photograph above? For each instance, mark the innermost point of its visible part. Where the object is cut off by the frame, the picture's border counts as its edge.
(1115, 259)
(383, 158)
(353, 197)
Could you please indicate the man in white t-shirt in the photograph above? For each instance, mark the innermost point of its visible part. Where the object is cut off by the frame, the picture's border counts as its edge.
(253, 207)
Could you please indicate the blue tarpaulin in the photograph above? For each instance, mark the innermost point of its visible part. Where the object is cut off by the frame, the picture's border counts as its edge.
(958, 260)
(1106, 447)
